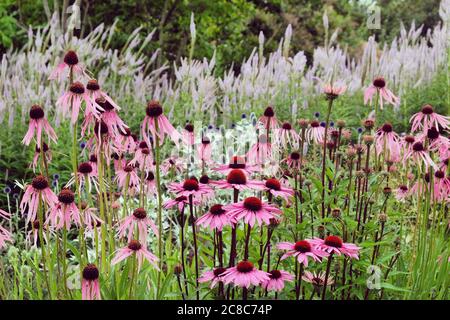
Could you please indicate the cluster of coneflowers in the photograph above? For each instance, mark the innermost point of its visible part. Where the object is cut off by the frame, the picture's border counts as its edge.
(111, 193)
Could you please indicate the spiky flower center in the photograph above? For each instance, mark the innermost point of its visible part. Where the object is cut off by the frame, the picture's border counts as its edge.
(90, 272)
(77, 88)
(36, 112)
(237, 162)
(302, 246)
(100, 125)
(439, 174)
(204, 179)
(236, 176)
(286, 126)
(380, 83)
(128, 168)
(244, 267)
(432, 133)
(140, 213)
(105, 104)
(427, 109)
(410, 139)
(217, 210)
(252, 204)
(150, 176)
(66, 196)
(93, 158)
(275, 274)
(39, 182)
(273, 184)
(189, 127)
(93, 85)
(387, 127)
(418, 147)
(85, 168)
(295, 156)
(134, 245)
(269, 112)
(71, 58)
(190, 185)
(154, 109)
(315, 124)
(333, 241)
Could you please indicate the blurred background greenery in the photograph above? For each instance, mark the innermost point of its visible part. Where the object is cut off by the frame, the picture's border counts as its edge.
(231, 27)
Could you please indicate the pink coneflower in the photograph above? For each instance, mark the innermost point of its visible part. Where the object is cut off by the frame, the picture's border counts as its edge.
(37, 155)
(215, 276)
(379, 85)
(387, 140)
(216, 218)
(237, 162)
(191, 187)
(5, 235)
(260, 152)
(140, 220)
(237, 179)
(126, 141)
(334, 244)
(204, 151)
(276, 280)
(36, 125)
(135, 247)
(252, 210)
(65, 212)
(441, 186)
(33, 235)
(142, 157)
(244, 275)
(269, 120)
(71, 63)
(90, 219)
(419, 154)
(128, 175)
(317, 279)
(94, 91)
(315, 132)
(286, 136)
(332, 92)
(93, 162)
(36, 192)
(70, 102)
(154, 114)
(301, 250)
(293, 160)
(437, 141)
(188, 135)
(180, 202)
(427, 119)
(172, 164)
(86, 177)
(109, 115)
(90, 287)
(275, 188)
(150, 183)
(401, 193)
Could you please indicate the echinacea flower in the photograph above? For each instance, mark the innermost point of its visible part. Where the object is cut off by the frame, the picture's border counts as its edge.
(191, 187)
(94, 91)
(334, 244)
(315, 132)
(142, 157)
(139, 220)
(188, 135)
(401, 193)
(127, 179)
(332, 92)
(268, 119)
(301, 250)
(293, 160)
(260, 152)
(276, 280)
(274, 187)
(90, 287)
(317, 279)
(70, 102)
(126, 141)
(150, 183)
(387, 141)
(237, 162)
(33, 235)
(5, 235)
(379, 85)
(286, 136)
(244, 274)
(86, 177)
(204, 151)
(427, 119)
(65, 211)
(252, 210)
(135, 247)
(158, 125)
(216, 218)
(37, 154)
(215, 276)
(173, 164)
(441, 186)
(71, 63)
(36, 192)
(37, 124)
(419, 155)
(108, 114)
(237, 179)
